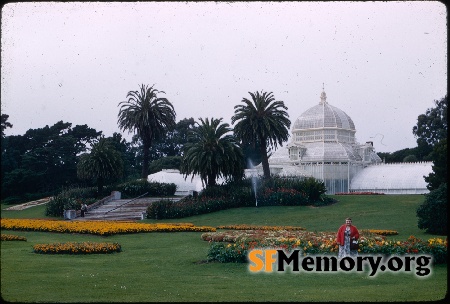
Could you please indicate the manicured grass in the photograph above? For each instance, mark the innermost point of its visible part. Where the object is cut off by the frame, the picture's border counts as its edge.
(156, 267)
(392, 212)
(32, 212)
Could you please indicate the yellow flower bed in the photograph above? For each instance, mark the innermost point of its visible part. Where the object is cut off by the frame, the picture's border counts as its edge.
(381, 232)
(77, 248)
(11, 237)
(255, 227)
(437, 241)
(97, 227)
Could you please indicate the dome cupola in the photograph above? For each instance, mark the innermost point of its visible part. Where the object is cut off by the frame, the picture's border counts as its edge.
(324, 122)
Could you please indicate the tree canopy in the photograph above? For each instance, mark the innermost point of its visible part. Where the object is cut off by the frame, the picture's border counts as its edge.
(103, 163)
(432, 126)
(44, 159)
(171, 143)
(211, 152)
(431, 131)
(264, 121)
(150, 116)
(5, 124)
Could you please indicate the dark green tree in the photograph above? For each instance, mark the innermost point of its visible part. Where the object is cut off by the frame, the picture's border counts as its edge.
(411, 158)
(129, 153)
(432, 213)
(166, 152)
(5, 124)
(104, 163)
(431, 131)
(432, 126)
(168, 162)
(407, 154)
(439, 175)
(171, 143)
(264, 121)
(149, 116)
(43, 160)
(211, 152)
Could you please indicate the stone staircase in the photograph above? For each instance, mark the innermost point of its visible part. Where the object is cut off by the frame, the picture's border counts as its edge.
(122, 209)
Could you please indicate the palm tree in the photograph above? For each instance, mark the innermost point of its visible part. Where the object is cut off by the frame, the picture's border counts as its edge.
(103, 163)
(262, 120)
(148, 115)
(211, 153)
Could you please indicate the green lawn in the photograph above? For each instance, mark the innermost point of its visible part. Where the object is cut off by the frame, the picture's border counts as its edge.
(157, 267)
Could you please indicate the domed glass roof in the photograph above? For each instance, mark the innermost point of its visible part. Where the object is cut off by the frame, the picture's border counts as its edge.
(324, 116)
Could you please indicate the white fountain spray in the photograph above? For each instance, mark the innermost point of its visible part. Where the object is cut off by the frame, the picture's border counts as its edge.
(254, 180)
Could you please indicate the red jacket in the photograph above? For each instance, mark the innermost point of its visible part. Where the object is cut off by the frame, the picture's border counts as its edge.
(340, 238)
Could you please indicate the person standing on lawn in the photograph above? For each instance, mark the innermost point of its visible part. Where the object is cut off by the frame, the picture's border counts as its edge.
(345, 235)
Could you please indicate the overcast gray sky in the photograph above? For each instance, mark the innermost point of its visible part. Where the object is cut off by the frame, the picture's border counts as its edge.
(383, 63)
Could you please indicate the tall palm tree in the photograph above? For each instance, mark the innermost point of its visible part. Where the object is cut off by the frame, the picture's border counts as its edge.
(149, 116)
(103, 163)
(262, 120)
(211, 152)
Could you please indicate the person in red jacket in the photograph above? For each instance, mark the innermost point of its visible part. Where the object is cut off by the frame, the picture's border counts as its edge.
(345, 234)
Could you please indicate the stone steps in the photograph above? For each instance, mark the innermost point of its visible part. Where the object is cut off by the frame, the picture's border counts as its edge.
(122, 210)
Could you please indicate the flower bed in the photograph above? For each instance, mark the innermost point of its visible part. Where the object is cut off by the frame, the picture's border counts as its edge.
(77, 248)
(255, 227)
(263, 236)
(97, 227)
(381, 232)
(11, 237)
(233, 246)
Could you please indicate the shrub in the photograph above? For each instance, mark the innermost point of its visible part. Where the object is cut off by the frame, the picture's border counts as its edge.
(275, 191)
(213, 191)
(278, 191)
(160, 209)
(59, 203)
(71, 198)
(432, 213)
(240, 192)
(282, 197)
(138, 187)
(314, 189)
(82, 193)
(188, 206)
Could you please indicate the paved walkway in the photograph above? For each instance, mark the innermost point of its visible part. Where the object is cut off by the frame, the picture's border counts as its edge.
(41, 201)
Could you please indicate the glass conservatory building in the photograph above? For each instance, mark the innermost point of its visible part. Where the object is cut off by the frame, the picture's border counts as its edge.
(396, 178)
(324, 146)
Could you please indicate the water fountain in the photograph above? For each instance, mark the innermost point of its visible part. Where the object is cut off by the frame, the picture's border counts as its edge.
(254, 180)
